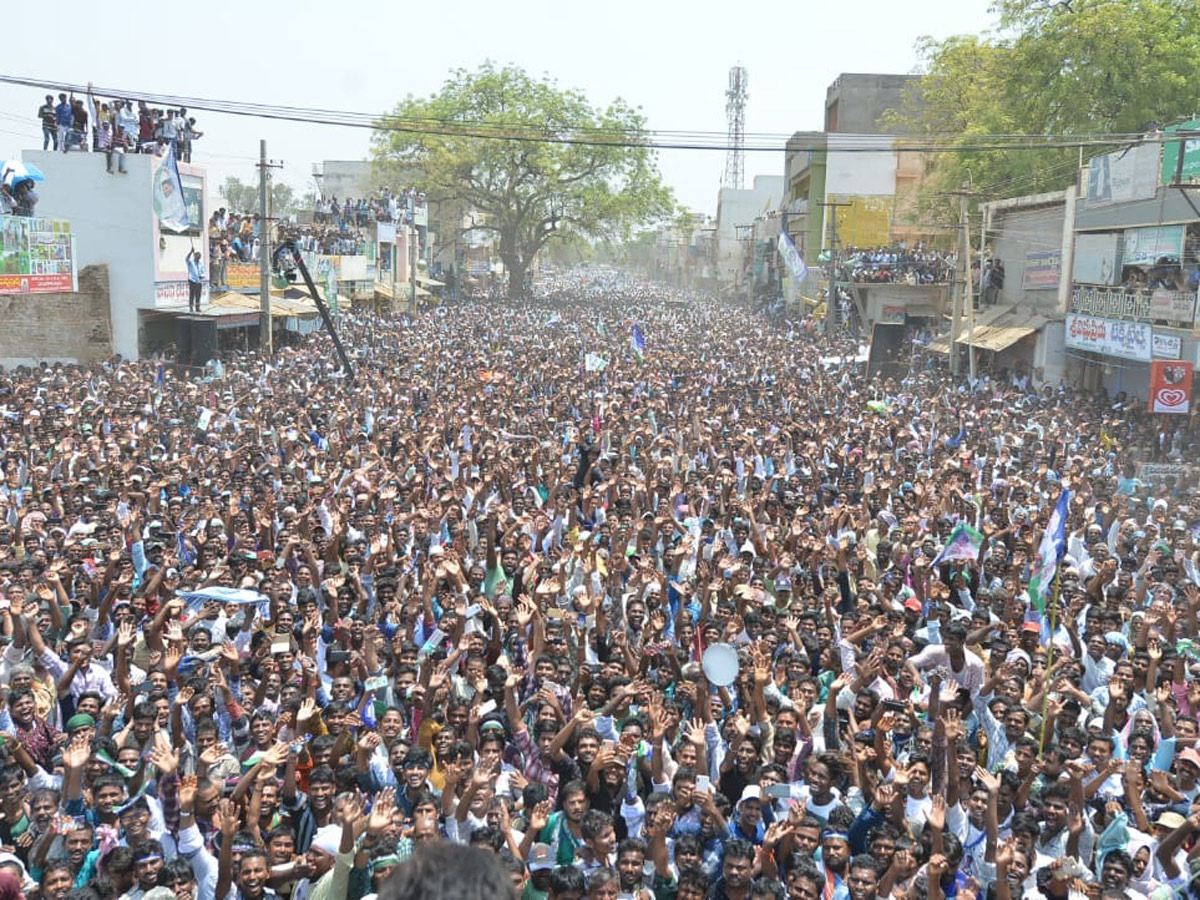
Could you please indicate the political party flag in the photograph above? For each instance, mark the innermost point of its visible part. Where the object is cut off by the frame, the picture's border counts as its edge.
(160, 377)
(601, 328)
(169, 203)
(594, 362)
(638, 341)
(1054, 543)
(964, 543)
(791, 257)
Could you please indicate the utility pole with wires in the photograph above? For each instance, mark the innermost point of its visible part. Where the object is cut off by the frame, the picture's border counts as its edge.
(265, 342)
(831, 301)
(963, 288)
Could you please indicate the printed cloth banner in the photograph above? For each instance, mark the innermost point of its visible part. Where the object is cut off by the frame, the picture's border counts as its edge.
(1170, 387)
(169, 202)
(964, 543)
(791, 257)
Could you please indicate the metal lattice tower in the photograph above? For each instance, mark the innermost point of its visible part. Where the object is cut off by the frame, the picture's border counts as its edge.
(735, 113)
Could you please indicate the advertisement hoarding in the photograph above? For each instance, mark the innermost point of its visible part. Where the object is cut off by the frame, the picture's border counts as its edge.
(36, 256)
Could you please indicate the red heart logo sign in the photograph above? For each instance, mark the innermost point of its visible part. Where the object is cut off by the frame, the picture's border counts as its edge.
(1171, 397)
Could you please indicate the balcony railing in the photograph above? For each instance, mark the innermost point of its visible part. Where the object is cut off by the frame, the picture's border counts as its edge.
(1175, 308)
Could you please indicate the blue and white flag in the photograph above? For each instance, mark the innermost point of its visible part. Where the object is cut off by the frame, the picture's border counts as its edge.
(1054, 543)
(196, 599)
(637, 341)
(791, 257)
(169, 202)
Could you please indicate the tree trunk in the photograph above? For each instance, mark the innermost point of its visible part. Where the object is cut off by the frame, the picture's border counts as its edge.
(516, 276)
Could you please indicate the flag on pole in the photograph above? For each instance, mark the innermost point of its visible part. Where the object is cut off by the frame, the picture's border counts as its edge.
(601, 328)
(791, 257)
(638, 341)
(1054, 543)
(964, 543)
(169, 203)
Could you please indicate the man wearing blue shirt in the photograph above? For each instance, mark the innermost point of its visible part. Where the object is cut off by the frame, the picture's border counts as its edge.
(64, 114)
(195, 281)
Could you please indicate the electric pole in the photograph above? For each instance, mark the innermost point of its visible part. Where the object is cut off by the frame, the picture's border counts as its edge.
(265, 341)
(831, 300)
(963, 293)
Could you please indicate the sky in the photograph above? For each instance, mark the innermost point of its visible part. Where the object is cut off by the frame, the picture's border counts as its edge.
(669, 58)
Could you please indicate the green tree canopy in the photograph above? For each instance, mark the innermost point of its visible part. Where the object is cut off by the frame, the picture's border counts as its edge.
(1056, 68)
(539, 162)
(243, 198)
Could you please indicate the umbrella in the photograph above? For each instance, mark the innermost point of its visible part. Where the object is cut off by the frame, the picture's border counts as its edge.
(14, 171)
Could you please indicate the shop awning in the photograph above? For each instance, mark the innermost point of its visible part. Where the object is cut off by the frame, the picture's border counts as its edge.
(430, 282)
(940, 344)
(383, 289)
(997, 337)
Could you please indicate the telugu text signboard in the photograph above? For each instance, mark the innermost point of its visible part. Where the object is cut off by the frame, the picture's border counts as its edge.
(1109, 337)
(243, 276)
(1042, 269)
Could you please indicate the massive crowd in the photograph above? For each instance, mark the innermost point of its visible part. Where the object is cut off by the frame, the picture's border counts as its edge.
(900, 265)
(671, 623)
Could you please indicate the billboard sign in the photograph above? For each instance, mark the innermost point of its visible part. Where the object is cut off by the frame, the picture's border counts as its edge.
(1109, 337)
(36, 256)
(1124, 175)
(1146, 246)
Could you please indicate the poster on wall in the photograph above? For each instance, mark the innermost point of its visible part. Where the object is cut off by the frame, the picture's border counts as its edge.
(1146, 246)
(1124, 175)
(1042, 268)
(1097, 259)
(1170, 387)
(35, 256)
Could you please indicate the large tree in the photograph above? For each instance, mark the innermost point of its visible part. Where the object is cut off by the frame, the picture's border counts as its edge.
(1056, 68)
(537, 162)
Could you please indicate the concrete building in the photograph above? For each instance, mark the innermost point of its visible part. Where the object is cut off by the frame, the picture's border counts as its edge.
(856, 164)
(1017, 327)
(736, 210)
(1134, 267)
(858, 103)
(113, 220)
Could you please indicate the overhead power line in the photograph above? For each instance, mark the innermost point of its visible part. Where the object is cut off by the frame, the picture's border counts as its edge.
(659, 139)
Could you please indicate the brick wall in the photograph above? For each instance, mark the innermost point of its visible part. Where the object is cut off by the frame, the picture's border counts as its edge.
(58, 327)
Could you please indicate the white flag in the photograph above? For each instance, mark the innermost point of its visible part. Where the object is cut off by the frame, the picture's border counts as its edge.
(169, 202)
(791, 257)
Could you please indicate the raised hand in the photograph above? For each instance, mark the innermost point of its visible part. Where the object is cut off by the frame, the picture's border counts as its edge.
(381, 811)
